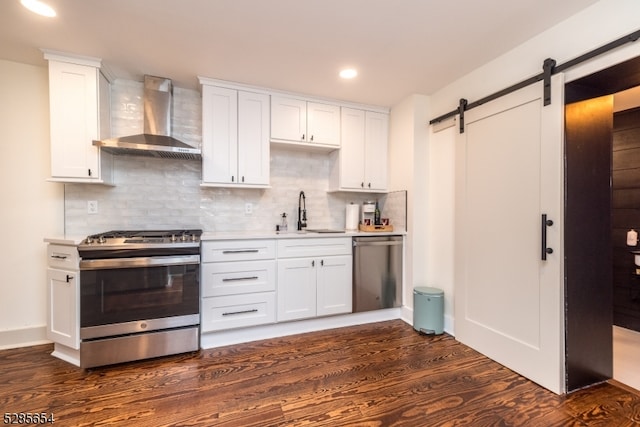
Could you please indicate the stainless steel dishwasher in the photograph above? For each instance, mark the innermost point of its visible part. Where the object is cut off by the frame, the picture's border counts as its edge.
(377, 272)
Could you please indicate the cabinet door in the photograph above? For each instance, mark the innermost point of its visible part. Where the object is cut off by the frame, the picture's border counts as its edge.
(219, 135)
(253, 138)
(288, 119)
(63, 305)
(352, 149)
(73, 103)
(323, 124)
(334, 290)
(296, 288)
(375, 153)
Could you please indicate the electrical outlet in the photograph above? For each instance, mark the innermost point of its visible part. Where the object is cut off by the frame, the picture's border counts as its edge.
(92, 207)
(248, 209)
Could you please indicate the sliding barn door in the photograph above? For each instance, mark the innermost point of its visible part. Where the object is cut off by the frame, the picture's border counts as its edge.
(508, 298)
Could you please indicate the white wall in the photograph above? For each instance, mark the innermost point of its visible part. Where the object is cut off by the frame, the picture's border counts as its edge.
(408, 170)
(597, 25)
(31, 207)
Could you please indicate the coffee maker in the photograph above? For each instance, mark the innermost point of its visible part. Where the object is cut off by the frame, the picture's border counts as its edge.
(368, 213)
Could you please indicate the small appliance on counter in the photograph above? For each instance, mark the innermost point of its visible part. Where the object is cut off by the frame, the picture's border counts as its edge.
(371, 218)
(368, 213)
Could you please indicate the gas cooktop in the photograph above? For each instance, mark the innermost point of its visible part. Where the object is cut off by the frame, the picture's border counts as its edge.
(142, 239)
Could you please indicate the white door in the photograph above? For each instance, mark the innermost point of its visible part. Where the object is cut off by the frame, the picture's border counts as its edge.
(288, 119)
(63, 316)
(296, 291)
(219, 134)
(73, 93)
(375, 154)
(508, 300)
(253, 138)
(323, 123)
(352, 148)
(334, 291)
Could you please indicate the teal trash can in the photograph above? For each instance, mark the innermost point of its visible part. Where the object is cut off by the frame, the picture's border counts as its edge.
(428, 310)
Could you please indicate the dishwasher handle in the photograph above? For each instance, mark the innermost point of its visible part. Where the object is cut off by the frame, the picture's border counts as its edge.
(379, 243)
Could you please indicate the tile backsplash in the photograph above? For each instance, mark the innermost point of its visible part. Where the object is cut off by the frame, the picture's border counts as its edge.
(166, 193)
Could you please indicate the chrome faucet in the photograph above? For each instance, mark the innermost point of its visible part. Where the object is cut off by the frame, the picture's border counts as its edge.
(302, 211)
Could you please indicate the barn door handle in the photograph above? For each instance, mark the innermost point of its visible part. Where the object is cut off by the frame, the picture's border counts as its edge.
(545, 250)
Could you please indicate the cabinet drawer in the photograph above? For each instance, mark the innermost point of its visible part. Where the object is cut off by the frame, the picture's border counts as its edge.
(229, 278)
(238, 250)
(238, 311)
(296, 248)
(63, 257)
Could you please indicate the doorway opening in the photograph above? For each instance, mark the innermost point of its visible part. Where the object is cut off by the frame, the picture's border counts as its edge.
(603, 304)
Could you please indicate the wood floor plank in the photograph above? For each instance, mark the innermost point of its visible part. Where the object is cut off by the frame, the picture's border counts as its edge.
(382, 374)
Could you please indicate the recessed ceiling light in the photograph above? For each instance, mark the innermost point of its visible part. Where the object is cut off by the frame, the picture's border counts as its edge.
(39, 7)
(348, 73)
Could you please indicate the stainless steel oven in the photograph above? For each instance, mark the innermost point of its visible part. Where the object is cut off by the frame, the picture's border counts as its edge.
(139, 295)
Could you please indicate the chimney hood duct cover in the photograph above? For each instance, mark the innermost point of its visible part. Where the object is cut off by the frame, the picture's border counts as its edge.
(156, 141)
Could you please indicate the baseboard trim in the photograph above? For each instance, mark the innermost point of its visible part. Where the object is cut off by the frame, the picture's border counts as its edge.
(15, 338)
(276, 330)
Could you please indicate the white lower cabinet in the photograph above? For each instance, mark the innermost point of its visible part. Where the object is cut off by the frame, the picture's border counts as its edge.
(316, 284)
(63, 296)
(247, 283)
(238, 282)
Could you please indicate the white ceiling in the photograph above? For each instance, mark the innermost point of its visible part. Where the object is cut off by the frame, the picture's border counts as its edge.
(400, 47)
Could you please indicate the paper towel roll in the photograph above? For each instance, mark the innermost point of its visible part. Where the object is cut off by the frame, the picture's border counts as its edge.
(352, 216)
(632, 237)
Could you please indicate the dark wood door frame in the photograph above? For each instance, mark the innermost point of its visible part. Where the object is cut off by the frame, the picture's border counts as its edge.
(588, 261)
(588, 252)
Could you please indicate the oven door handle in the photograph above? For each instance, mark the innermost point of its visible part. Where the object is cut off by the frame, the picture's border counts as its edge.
(115, 263)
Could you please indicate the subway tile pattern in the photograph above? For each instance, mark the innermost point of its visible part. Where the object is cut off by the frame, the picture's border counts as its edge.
(152, 193)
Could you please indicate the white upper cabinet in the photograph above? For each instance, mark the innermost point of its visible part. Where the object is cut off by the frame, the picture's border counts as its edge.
(235, 137)
(297, 121)
(376, 127)
(361, 163)
(323, 124)
(80, 106)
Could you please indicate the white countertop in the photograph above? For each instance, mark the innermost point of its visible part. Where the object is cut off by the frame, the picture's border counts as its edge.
(65, 240)
(237, 235)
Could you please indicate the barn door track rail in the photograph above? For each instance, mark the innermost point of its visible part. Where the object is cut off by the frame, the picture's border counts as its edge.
(549, 68)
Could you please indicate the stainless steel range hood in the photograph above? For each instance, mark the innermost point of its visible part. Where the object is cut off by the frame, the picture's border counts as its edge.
(156, 141)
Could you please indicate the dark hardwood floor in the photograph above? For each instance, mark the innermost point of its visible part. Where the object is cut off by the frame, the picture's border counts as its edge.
(382, 374)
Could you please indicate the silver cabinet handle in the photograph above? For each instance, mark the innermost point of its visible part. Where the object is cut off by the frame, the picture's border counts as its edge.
(236, 279)
(383, 243)
(254, 310)
(59, 256)
(241, 251)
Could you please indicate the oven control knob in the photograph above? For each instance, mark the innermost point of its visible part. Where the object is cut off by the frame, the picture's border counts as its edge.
(101, 239)
(183, 238)
(173, 238)
(89, 240)
(194, 238)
